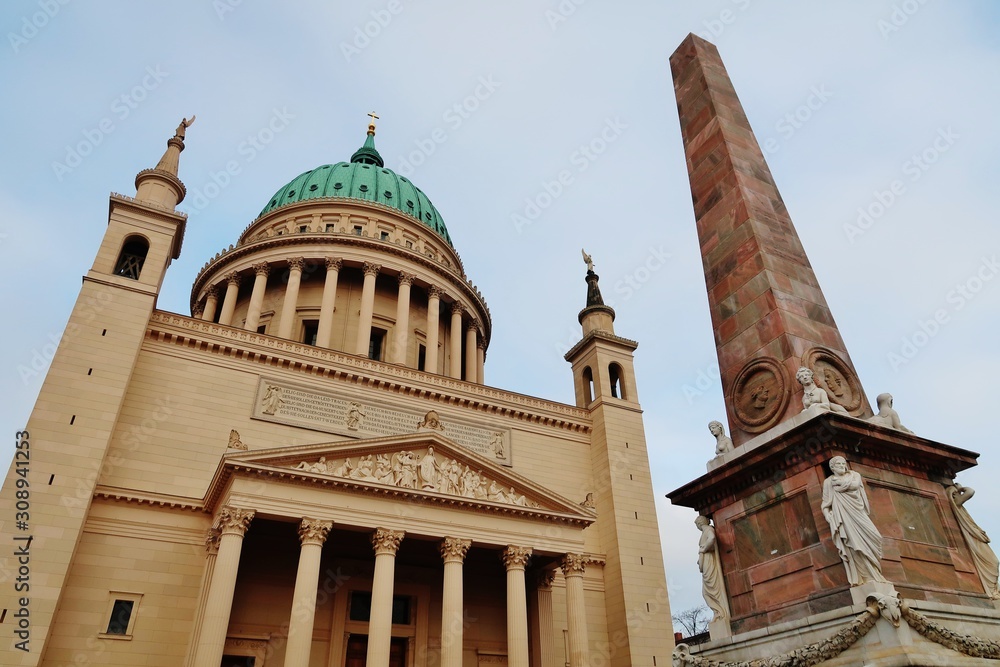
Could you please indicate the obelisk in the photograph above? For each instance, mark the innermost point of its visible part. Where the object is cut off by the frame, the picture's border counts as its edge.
(768, 312)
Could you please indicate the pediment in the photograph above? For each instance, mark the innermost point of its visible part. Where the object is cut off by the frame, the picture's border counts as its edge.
(424, 466)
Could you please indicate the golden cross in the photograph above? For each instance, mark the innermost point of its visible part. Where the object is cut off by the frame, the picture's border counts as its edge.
(374, 117)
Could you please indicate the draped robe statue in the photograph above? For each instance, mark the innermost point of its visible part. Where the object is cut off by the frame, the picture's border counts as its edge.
(979, 542)
(713, 587)
(845, 506)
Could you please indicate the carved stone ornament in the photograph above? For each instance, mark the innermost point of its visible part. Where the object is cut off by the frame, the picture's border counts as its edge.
(234, 521)
(833, 375)
(497, 445)
(212, 541)
(573, 564)
(515, 557)
(296, 263)
(233, 278)
(386, 541)
(544, 580)
(212, 291)
(406, 278)
(425, 471)
(887, 416)
(235, 442)
(431, 421)
(262, 269)
(588, 502)
(198, 311)
(272, 399)
(371, 269)
(314, 531)
(723, 443)
(453, 549)
(355, 416)
(334, 263)
(434, 292)
(760, 394)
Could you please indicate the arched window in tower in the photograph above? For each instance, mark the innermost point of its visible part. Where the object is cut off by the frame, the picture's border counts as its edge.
(588, 386)
(617, 376)
(132, 257)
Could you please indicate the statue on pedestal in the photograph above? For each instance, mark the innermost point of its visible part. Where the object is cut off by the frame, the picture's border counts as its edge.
(886, 415)
(713, 586)
(813, 396)
(845, 506)
(723, 443)
(979, 542)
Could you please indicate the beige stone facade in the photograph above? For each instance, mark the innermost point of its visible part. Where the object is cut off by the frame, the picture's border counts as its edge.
(310, 470)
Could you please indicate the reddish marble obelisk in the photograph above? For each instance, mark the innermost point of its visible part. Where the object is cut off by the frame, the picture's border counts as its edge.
(768, 312)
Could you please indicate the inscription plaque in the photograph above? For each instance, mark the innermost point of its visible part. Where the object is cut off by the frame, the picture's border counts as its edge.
(330, 412)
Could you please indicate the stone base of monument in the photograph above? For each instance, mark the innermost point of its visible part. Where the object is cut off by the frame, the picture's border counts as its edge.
(719, 629)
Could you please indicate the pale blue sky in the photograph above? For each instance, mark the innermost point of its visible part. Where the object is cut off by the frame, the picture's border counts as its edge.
(553, 86)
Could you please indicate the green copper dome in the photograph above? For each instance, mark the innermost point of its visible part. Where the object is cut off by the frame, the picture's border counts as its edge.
(364, 177)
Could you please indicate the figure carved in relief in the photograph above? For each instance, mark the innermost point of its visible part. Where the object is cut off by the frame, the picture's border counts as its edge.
(429, 469)
(759, 397)
(723, 443)
(383, 470)
(495, 493)
(319, 466)
(834, 382)
(355, 416)
(497, 444)
(405, 470)
(272, 400)
(979, 542)
(364, 470)
(814, 396)
(845, 506)
(431, 421)
(344, 469)
(886, 415)
(712, 584)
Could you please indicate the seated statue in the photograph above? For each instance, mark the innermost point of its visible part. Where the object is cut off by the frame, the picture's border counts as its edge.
(815, 397)
(723, 443)
(886, 415)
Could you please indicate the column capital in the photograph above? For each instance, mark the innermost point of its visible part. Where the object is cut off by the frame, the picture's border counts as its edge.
(573, 564)
(544, 579)
(212, 290)
(198, 311)
(234, 521)
(453, 549)
(514, 557)
(212, 541)
(296, 263)
(314, 531)
(334, 263)
(434, 292)
(261, 268)
(386, 541)
(371, 269)
(472, 325)
(481, 344)
(406, 278)
(457, 308)
(233, 278)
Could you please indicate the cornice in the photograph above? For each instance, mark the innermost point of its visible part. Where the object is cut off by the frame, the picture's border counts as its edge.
(161, 213)
(272, 352)
(600, 335)
(117, 494)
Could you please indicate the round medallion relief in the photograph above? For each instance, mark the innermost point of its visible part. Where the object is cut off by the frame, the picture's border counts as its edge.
(760, 394)
(834, 376)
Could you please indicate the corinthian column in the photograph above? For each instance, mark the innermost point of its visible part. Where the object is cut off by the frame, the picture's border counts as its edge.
(456, 341)
(325, 329)
(481, 361)
(367, 308)
(573, 566)
(386, 542)
(211, 303)
(433, 326)
(515, 559)
(229, 300)
(402, 331)
(233, 524)
(471, 331)
(312, 535)
(257, 296)
(453, 552)
(295, 265)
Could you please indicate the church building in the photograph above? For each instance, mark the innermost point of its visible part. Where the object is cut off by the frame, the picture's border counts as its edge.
(309, 469)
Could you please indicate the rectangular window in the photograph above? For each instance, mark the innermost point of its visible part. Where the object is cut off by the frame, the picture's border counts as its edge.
(238, 661)
(409, 244)
(331, 228)
(262, 329)
(384, 236)
(376, 343)
(121, 613)
(310, 328)
(303, 229)
(358, 229)
(421, 357)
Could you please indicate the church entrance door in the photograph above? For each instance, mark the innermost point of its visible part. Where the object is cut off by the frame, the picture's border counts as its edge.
(357, 651)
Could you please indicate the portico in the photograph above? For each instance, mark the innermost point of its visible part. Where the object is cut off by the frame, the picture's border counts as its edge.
(375, 572)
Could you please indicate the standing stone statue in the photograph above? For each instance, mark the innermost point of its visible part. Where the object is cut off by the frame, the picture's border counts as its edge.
(845, 506)
(723, 443)
(886, 415)
(814, 396)
(713, 587)
(979, 542)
